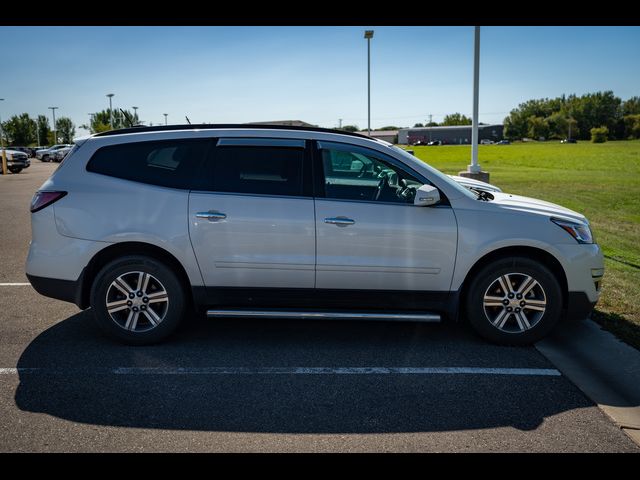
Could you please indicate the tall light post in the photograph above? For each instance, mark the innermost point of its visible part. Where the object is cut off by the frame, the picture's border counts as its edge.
(165, 118)
(135, 114)
(37, 131)
(90, 120)
(368, 34)
(55, 132)
(110, 95)
(474, 170)
(4, 153)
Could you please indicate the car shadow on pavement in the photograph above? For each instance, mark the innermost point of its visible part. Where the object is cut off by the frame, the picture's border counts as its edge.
(77, 391)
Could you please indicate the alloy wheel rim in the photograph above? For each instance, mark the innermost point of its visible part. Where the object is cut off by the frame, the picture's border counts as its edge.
(514, 302)
(137, 301)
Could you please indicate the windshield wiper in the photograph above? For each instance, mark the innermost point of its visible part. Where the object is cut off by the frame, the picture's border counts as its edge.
(483, 195)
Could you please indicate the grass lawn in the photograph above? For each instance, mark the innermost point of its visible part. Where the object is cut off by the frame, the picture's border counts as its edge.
(602, 181)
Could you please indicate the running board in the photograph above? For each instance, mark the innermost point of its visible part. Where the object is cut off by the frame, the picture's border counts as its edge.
(308, 315)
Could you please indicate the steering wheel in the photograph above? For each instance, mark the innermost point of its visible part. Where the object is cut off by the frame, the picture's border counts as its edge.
(382, 184)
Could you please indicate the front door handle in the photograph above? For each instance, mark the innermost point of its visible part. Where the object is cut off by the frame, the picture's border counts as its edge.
(211, 216)
(339, 221)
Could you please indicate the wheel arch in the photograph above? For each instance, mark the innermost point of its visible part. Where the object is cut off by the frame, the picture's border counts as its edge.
(542, 256)
(121, 249)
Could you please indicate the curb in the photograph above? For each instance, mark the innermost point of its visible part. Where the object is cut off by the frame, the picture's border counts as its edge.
(606, 369)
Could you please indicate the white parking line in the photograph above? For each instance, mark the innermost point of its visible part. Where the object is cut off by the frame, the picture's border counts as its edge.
(545, 372)
(15, 284)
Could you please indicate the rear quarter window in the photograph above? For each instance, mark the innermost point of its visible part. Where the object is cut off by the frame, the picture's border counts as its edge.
(167, 163)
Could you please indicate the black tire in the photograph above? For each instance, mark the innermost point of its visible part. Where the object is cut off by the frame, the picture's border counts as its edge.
(45, 158)
(15, 169)
(144, 333)
(511, 328)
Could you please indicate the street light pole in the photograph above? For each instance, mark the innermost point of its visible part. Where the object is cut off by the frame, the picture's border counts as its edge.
(474, 171)
(55, 132)
(165, 118)
(368, 34)
(135, 114)
(110, 95)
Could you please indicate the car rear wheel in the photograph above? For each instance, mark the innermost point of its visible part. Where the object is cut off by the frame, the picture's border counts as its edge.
(514, 301)
(15, 169)
(137, 300)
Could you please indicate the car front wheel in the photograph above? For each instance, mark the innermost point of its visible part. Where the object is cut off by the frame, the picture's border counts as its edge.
(137, 300)
(514, 301)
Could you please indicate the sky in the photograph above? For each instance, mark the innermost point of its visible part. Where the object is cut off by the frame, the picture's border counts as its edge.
(314, 74)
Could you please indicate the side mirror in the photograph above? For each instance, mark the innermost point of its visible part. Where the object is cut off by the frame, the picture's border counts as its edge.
(426, 196)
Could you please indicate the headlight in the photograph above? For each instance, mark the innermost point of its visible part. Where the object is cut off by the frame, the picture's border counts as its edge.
(579, 231)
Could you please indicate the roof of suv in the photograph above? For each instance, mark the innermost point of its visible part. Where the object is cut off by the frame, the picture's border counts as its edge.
(210, 126)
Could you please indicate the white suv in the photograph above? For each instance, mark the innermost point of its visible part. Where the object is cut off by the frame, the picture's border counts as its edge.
(282, 222)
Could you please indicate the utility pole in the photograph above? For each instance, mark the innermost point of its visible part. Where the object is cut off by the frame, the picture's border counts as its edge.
(55, 132)
(429, 124)
(165, 118)
(340, 124)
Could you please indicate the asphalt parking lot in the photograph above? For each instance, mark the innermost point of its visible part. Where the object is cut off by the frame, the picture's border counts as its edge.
(265, 386)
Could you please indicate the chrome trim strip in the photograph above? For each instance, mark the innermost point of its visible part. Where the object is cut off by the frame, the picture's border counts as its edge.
(377, 269)
(237, 313)
(257, 265)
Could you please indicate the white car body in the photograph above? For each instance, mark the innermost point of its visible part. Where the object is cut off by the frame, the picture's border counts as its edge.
(475, 184)
(230, 243)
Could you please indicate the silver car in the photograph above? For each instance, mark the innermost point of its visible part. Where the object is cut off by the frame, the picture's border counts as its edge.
(285, 222)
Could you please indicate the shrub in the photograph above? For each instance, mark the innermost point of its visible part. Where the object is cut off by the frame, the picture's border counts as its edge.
(599, 134)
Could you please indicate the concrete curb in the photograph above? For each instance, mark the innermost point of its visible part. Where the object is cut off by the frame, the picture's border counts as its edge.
(604, 368)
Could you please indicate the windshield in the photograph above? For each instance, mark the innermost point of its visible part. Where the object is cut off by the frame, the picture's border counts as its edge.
(436, 173)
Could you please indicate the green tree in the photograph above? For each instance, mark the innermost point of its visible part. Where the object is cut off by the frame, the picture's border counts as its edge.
(538, 127)
(418, 125)
(631, 126)
(599, 134)
(389, 127)
(43, 130)
(20, 130)
(350, 128)
(431, 124)
(631, 106)
(456, 119)
(65, 129)
(100, 121)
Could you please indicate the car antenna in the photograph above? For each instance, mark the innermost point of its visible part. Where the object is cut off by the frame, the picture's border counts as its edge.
(188, 121)
(128, 117)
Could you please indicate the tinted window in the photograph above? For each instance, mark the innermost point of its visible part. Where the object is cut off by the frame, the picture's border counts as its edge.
(358, 175)
(169, 163)
(267, 170)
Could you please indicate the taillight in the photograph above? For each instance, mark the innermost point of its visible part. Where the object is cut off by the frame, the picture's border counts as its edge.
(45, 198)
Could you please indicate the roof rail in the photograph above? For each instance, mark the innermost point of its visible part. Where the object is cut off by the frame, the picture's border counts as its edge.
(212, 126)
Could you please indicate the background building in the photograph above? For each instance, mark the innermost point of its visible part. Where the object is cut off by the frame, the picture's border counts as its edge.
(449, 135)
(390, 136)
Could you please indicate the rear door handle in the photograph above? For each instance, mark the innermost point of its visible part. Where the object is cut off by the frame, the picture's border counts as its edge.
(339, 221)
(211, 216)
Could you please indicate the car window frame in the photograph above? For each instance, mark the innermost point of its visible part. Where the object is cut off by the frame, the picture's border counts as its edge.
(203, 183)
(319, 177)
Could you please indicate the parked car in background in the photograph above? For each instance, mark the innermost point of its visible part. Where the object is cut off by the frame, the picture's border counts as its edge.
(16, 160)
(434, 143)
(503, 142)
(26, 150)
(45, 154)
(308, 223)
(486, 141)
(59, 154)
(569, 140)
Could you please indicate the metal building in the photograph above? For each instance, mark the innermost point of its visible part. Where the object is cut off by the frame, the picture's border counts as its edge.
(449, 135)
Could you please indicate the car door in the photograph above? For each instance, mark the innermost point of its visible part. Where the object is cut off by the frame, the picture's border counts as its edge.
(369, 234)
(251, 221)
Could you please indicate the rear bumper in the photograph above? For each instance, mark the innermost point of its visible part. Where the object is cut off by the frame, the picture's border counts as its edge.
(579, 306)
(65, 290)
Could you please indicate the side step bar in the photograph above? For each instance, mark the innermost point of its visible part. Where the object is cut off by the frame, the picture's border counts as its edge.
(309, 315)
